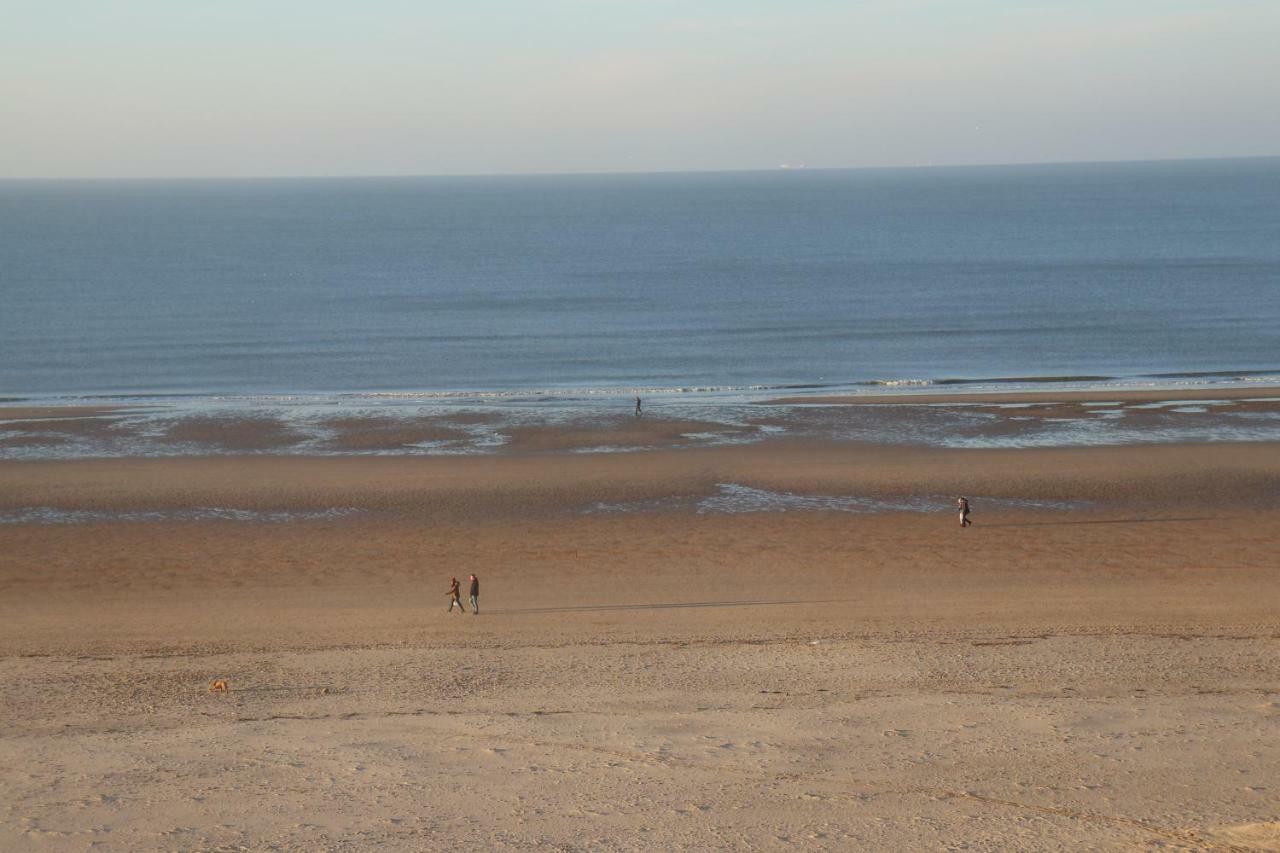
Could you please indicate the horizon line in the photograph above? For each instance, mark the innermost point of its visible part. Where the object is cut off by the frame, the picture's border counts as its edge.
(624, 172)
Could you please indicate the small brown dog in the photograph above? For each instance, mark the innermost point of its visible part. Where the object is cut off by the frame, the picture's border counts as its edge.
(219, 686)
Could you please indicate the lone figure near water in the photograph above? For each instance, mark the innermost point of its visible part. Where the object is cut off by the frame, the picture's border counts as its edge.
(639, 408)
(963, 506)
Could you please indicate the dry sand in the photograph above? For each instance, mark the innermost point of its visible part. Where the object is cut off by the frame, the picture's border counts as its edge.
(1103, 678)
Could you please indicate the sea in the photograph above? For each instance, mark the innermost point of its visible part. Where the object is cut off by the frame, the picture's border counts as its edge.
(690, 290)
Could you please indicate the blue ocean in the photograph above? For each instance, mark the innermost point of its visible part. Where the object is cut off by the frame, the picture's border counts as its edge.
(1132, 272)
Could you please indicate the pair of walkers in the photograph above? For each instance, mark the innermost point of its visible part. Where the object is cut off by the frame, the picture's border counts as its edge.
(455, 595)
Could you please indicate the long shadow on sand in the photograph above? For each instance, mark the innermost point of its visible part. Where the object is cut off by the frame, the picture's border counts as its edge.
(591, 608)
(1105, 521)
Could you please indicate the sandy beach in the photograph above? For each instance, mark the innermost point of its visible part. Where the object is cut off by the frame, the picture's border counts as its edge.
(1093, 664)
(840, 426)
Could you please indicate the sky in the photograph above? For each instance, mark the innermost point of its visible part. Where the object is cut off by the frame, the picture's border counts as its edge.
(161, 88)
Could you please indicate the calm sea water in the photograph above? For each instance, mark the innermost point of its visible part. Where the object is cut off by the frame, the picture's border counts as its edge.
(733, 280)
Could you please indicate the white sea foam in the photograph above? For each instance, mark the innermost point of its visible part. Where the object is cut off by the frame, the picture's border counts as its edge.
(556, 393)
(901, 383)
(735, 418)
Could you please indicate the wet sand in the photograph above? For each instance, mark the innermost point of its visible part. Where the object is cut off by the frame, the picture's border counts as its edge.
(1104, 677)
(1040, 419)
(536, 485)
(15, 413)
(53, 426)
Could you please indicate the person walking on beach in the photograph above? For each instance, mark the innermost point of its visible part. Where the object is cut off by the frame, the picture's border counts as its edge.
(639, 408)
(963, 506)
(475, 596)
(455, 596)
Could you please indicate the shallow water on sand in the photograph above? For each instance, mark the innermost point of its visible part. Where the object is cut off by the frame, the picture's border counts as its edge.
(58, 515)
(735, 498)
(444, 427)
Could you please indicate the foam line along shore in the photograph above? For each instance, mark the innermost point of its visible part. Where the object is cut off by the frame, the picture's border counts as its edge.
(434, 425)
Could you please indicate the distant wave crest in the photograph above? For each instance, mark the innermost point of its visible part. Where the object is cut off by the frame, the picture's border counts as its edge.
(898, 383)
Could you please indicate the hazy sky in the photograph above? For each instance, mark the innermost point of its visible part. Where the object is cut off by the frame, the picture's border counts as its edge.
(313, 87)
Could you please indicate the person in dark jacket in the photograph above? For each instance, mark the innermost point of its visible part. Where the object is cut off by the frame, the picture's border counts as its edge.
(475, 595)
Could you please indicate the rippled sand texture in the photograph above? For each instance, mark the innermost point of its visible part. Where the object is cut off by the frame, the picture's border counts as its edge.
(1103, 676)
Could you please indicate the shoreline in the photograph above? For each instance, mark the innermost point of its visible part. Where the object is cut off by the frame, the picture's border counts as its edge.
(1106, 395)
(606, 427)
(85, 405)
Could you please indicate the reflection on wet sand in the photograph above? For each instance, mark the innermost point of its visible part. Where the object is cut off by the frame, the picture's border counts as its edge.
(322, 427)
